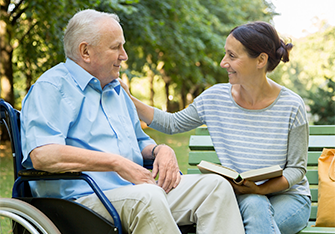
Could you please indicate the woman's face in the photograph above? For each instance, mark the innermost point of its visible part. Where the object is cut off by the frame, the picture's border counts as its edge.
(240, 66)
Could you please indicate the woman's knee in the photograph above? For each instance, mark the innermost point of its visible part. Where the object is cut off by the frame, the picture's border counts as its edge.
(254, 205)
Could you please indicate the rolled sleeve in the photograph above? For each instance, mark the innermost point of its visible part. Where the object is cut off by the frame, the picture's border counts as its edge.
(42, 116)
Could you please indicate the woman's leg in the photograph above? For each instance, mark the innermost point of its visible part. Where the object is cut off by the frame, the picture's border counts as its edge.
(257, 214)
(291, 212)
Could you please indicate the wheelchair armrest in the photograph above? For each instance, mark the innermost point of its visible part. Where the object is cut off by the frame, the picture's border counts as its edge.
(32, 174)
(41, 174)
(148, 163)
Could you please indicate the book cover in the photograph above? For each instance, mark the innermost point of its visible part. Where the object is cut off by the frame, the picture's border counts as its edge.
(253, 175)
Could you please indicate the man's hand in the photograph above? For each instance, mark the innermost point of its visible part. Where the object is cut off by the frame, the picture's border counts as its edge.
(167, 165)
(134, 173)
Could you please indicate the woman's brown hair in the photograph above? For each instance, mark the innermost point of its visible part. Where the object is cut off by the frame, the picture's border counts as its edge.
(261, 37)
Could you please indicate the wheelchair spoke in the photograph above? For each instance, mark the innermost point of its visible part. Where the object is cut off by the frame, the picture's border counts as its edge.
(19, 217)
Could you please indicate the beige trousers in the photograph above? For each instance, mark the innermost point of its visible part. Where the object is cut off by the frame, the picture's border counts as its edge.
(207, 200)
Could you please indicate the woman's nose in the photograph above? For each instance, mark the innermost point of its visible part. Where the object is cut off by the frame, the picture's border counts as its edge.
(224, 63)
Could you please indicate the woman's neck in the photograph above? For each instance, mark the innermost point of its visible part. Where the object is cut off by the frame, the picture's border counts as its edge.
(257, 95)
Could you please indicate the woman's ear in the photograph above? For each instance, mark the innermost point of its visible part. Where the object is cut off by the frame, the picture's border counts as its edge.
(262, 60)
(84, 52)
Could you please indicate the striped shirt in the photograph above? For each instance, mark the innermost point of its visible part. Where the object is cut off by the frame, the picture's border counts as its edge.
(249, 139)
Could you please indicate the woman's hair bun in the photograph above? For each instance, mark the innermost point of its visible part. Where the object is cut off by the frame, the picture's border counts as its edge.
(283, 52)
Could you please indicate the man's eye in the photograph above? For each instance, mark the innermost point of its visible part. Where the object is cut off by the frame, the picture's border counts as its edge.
(116, 47)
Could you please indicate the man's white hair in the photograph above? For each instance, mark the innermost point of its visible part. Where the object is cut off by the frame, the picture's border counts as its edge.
(83, 27)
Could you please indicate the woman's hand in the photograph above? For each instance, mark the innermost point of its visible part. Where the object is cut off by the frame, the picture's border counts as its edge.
(271, 186)
(124, 86)
(246, 187)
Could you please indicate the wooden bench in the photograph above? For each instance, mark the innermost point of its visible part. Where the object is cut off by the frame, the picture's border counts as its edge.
(321, 136)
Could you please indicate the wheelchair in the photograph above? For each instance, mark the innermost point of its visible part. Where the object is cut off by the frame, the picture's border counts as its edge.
(28, 214)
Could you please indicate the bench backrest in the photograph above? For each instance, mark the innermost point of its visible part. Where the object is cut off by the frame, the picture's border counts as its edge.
(320, 136)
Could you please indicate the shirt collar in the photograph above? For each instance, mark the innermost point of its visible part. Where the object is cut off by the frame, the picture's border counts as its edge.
(116, 85)
(79, 74)
(83, 78)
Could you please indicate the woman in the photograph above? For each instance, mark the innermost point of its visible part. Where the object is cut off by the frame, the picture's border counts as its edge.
(253, 123)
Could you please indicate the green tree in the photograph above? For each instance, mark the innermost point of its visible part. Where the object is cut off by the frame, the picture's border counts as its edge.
(183, 41)
(323, 103)
(311, 66)
(31, 38)
(311, 60)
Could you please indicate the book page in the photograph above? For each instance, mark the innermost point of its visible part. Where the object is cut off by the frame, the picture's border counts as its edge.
(262, 173)
(208, 167)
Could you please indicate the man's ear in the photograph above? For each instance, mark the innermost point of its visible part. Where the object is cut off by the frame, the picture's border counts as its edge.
(262, 60)
(84, 52)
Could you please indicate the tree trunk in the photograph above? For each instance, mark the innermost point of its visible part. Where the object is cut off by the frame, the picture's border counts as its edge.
(6, 68)
(168, 106)
(29, 77)
(183, 92)
(151, 85)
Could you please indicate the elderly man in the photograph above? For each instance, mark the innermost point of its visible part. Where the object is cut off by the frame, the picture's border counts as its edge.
(77, 118)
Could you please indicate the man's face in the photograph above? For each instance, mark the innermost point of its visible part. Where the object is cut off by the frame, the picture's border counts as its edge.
(107, 55)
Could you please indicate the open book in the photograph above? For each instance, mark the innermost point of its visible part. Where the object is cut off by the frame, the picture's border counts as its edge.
(253, 175)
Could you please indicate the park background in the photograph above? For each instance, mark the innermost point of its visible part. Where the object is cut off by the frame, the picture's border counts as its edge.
(174, 48)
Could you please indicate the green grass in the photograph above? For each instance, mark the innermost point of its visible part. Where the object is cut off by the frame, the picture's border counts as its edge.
(6, 170)
(178, 142)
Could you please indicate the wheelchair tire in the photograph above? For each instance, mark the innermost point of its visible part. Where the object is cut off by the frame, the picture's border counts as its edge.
(30, 219)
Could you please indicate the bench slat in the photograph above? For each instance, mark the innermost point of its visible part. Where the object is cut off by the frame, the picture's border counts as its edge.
(195, 157)
(314, 211)
(312, 176)
(314, 193)
(322, 130)
(321, 141)
(193, 171)
(204, 142)
(318, 230)
(321, 136)
(201, 143)
(313, 130)
(313, 157)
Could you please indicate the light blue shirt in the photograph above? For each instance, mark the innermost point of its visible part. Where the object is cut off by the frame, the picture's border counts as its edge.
(68, 106)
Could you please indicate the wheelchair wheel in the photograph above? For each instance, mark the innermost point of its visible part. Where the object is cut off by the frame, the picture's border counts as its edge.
(19, 217)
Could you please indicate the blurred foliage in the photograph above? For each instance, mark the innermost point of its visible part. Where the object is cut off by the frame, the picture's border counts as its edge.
(182, 41)
(175, 45)
(323, 103)
(311, 60)
(31, 33)
(311, 70)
